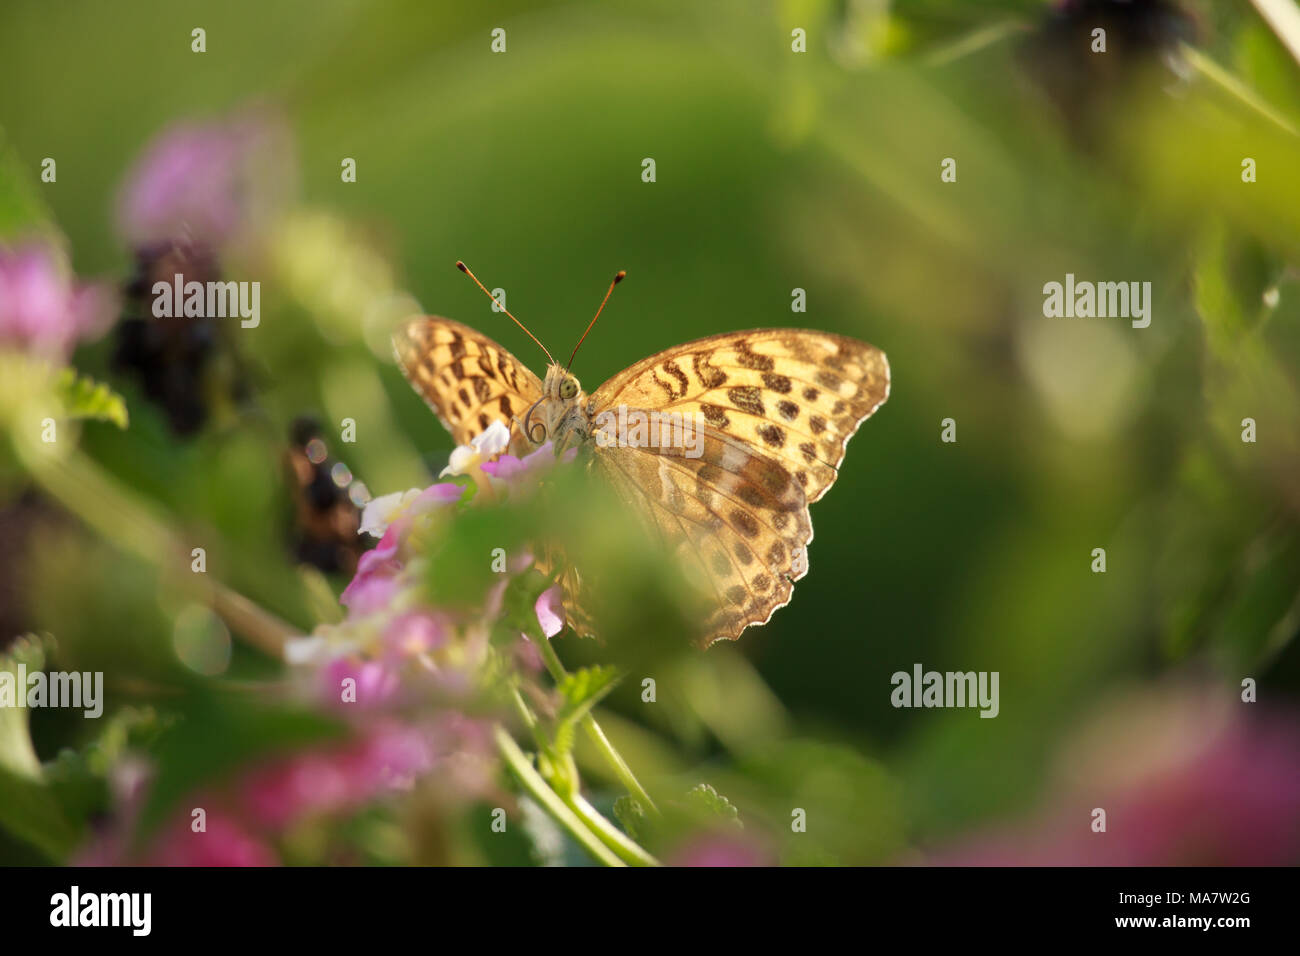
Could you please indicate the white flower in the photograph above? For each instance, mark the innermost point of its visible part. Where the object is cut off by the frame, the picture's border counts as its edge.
(480, 448)
(305, 650)
(382, 511)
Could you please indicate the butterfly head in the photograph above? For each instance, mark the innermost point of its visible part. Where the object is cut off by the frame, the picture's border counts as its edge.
(560, 413)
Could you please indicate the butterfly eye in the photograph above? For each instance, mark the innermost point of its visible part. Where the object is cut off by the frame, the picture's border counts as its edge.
(568, 389)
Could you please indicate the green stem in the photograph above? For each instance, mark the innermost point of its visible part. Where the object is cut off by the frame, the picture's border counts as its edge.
(974, 42)
(616, 761)
(1235, 87)
(603, 744)
(123, 518)
(628, 849)
(550, 801)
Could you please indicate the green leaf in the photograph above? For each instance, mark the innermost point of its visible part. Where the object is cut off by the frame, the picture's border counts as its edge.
(30, 812)
(458, 570)
(581, 691)
(23, 211)
(630, 815)
(519, 603)
(17, 755)
(83, 397)
(706, 803)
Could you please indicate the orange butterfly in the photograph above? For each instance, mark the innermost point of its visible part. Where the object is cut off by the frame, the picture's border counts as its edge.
(721, 443)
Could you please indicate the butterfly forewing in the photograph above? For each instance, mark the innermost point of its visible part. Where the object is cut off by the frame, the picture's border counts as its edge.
(467, 379)
(794, 395)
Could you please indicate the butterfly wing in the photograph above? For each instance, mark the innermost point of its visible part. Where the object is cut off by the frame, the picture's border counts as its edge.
(797, 396)
(466, 378)
(733, 515)
(775, 409)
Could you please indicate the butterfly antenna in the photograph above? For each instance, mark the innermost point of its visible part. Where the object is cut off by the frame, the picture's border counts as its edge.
(617, 279)
(465, 269)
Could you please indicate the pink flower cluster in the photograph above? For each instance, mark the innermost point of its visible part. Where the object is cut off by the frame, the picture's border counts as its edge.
(43, 310)
(1194, 781)
(242, 820)
(212, 182)
(402, 674)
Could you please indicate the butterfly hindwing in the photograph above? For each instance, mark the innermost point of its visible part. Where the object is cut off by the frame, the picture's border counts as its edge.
(733, 515)
(796, 396)
(467, 379)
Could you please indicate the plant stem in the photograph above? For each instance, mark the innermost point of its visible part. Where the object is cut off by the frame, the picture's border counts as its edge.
(127, 521)
(973, 42)
(1235, 87)
(616, 761)
(603, 744)
(627, 849)
(549, 800)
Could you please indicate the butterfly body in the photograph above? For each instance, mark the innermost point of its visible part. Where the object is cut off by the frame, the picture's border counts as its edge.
(763, 417)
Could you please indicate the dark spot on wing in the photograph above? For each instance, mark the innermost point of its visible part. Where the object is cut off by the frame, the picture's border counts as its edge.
(747, 398)
(715, 415)
(745, 523)
(747, 358)
(777, 383)
(683, 382)
(708, 375)
(772, 435)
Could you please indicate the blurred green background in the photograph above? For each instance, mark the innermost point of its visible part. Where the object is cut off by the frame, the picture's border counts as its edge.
(774, 171)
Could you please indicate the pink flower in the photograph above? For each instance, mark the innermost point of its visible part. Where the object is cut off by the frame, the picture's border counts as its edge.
(1194, 781)
(412, 634)
(717, 849)
(376, 682)
(550, 610)
(510, 468)
(374, 585)
(42, 310)
(207, 181)
(223, 842)
(527, 656)
(340, 779)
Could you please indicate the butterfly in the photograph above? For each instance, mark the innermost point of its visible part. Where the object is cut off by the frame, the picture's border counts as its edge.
(770, 412)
